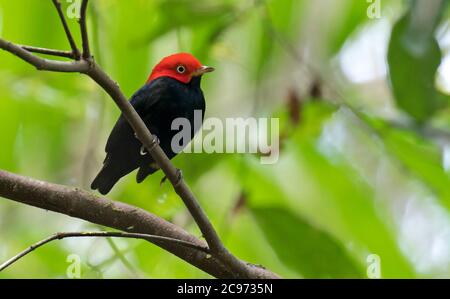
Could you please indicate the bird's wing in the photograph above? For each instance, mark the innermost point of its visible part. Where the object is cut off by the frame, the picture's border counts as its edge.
(143, 100)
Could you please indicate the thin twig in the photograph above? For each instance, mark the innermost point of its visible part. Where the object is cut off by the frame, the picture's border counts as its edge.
(53, 52)
(75, 50)
(83, 29)
(79, 66)
(60, 236)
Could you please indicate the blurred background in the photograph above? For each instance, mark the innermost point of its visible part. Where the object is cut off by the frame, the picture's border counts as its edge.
(362, 185)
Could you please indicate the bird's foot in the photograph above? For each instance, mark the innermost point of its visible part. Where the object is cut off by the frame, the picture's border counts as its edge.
(143, 151)
(179, 178)
(155, 142)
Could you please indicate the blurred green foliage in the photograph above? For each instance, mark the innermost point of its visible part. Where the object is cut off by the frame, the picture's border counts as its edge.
(414, 49)
(350, 181)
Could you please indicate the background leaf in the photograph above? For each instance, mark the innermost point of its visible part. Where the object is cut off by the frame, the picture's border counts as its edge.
(414, 57)
(309, 251)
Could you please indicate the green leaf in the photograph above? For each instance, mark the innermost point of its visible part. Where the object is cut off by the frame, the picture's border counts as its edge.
(414, 57)
(422, 159)
(354, 14)
(304, 248)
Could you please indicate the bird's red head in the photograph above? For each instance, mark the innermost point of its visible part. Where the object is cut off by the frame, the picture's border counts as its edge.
(180, 66)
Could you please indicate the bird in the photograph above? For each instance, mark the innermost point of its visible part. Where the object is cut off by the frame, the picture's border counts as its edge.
(171, 91)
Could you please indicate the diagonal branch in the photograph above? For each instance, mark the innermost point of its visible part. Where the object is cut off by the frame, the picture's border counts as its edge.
(173, 174)
(60, 236)
(75, 50)
(150, 143)
(83, 29)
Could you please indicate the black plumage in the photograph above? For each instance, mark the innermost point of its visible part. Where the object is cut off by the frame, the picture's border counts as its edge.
(158, 103)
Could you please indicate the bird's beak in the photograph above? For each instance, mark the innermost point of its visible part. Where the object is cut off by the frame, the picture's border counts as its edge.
(202, 70)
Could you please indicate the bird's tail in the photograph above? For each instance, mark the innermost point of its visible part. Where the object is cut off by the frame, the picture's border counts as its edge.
(106, 179)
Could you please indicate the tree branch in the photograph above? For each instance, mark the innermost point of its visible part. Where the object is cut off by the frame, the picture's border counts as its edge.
(79, 66)
(83, 29)
(53, 52)
(99, 210)
(60, 236)
(225, 264)
(151, 143)
(75, 51)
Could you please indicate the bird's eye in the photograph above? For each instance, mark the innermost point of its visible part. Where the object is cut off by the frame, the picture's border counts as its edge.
(181, 69)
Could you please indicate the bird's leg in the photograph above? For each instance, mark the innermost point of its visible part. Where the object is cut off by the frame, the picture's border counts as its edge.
(155, 141)
(143, 150)
(179, 178)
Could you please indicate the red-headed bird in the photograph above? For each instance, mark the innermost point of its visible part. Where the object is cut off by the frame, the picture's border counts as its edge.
(171, 91)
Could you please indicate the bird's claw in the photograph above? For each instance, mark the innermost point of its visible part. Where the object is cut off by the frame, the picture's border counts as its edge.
(143, 150)
(179, 178)
(155, 139)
